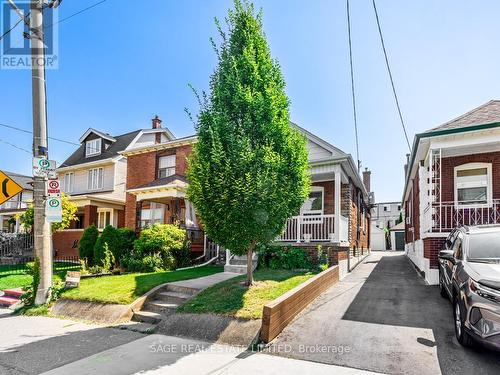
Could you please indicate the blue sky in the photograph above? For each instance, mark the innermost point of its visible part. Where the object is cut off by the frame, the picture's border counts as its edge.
(122, 62)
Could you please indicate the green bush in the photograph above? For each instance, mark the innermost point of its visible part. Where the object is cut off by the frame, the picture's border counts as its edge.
(33, 269)
(125, 243)
(109, 238)
(284, 257)
(149, 263)
(87, 243)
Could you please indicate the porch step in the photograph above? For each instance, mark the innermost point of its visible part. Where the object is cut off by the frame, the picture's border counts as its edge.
(8, 301)
(173, 297)
(15, 292)
(180, 289)
(161, 307)
(137, 327)
(147, 317)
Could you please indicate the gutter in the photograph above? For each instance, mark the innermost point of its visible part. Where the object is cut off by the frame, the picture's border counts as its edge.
(438, 133)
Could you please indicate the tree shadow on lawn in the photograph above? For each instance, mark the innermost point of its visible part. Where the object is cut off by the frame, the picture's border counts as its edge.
(395, 295)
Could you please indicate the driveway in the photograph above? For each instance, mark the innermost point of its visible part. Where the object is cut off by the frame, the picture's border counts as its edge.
(382, 317)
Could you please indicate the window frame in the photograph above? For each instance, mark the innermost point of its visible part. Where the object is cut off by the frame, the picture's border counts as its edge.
(69, 187)
(90, 178)
(95, 150)
(315, 212)
(489, 184)
(171, 168)
(104, 211)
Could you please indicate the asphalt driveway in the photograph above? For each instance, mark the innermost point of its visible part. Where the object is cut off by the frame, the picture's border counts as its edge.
(382, 317)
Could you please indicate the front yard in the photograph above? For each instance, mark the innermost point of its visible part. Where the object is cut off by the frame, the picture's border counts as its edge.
(124, 289)
(232, 298)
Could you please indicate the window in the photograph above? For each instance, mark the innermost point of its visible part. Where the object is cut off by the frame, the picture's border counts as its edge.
(314, 204)
(103, 219)
(93, 147)
(457, 248)
(166, 166)
(473, 184)
(69, 182)
(95, 179)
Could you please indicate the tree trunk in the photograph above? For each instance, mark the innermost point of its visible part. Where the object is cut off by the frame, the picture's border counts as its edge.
(249, 281)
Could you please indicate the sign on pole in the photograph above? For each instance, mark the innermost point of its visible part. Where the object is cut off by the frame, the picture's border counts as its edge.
(8, 188)
(54, 202)
(44, 168)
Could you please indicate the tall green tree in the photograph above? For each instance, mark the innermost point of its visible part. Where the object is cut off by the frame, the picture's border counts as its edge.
(248, 172)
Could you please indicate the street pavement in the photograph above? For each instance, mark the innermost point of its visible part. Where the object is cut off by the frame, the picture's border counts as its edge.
(383, 317)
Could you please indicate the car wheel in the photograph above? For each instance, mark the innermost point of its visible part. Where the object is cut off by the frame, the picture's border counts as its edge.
(462, 336)
(442, 289)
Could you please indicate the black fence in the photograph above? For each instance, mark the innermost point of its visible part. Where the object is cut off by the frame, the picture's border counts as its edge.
(16, 245)
(20, 265)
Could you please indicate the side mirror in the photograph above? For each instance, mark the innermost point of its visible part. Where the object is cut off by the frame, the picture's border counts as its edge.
(447, 255)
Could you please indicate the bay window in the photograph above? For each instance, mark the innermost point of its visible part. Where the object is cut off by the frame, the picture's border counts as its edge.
(473, 184)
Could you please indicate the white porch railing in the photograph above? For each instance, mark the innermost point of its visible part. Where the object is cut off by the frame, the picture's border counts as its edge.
(445, 216)
(314, 228)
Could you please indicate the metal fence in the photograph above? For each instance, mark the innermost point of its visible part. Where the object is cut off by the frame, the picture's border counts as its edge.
(19, 265)
(13, 245)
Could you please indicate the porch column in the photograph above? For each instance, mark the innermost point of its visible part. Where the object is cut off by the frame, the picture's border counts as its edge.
(337, 192)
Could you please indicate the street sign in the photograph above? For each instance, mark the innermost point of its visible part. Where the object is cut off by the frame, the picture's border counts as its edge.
(53, 211)
(8, 188)
(44, 168)
(54, 188)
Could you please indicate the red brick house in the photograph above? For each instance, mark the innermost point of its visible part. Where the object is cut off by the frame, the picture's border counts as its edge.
(452, 179)
(336, 214)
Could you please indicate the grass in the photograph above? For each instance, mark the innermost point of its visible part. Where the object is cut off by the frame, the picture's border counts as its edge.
(17, 276)
(39, 310)
(124, 289)
(232, 298)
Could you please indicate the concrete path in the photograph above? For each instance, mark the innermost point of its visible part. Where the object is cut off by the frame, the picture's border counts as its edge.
(205, 281)
(158, 354)
(382, 317)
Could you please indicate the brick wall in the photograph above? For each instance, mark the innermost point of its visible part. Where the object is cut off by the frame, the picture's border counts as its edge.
(432, 246)
(412, 230)
(66, 242)
(89, 215)
(361, 242)
(329, 197)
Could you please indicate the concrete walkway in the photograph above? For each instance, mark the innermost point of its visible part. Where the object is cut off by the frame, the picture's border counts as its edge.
(205, 281)
(383, 317)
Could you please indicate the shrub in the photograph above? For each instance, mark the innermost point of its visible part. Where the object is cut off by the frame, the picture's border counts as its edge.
(149, 263)
(160, 238)
(182, 255)
(109, 239)
(284, 257)
(87, 243)
(125, 243)
(33, 269)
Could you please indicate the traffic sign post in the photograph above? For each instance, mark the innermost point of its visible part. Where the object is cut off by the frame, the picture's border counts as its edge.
(8, 188)
(54, 202)
(43, 167)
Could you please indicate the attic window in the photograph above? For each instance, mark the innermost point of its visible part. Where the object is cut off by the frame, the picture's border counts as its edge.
(93, 147)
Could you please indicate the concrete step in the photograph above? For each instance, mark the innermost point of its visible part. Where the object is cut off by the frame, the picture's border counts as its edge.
(180, 289)
(147, 317)
(15, 293)
(240, 262)
(173, 297)
(235, 269)
(8, 301)
(137, 327)
(160, 307)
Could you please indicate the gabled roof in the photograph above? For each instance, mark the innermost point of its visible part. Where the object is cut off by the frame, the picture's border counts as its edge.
(319, 141)
(99, 133)
(121, 142)
(484, 114)
(24, 181)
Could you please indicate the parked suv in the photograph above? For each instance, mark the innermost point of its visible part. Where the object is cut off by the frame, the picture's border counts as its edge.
(469, 275)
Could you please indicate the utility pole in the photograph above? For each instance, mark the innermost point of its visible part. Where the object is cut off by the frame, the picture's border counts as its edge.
(42, 229)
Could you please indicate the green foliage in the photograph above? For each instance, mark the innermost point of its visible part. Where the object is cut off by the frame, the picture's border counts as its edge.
(31, 310)
(58, 287)
(400, 218)
(108, 260)
(69, 210)
(125, 242)
(248, 172)
(284, 257)
(322, 258)
(87, 243)
(108, 239)
(149, 263)
(33, 269)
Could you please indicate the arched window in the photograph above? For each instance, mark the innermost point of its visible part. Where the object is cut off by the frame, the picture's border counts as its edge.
(473, 185)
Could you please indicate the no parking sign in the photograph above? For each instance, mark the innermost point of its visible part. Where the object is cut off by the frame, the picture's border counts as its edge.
(54, 202)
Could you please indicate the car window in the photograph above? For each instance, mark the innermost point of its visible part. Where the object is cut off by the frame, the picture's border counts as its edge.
(457, 248)
(451, 239)
(484, 246)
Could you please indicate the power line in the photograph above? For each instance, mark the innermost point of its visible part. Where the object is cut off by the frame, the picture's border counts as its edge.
(13, 145)
(30, 132)
(75, 14)
(12, 28)
(390, 74)
(352, 84)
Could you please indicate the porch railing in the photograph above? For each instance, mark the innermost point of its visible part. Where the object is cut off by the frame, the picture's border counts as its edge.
(445, 216)
(313, 228)
(14, 205)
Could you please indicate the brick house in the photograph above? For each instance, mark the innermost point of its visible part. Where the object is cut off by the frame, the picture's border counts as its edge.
(337, 213)
(94, 178)
(452, 179)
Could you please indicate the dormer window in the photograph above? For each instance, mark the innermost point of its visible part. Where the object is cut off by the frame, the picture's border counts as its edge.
(93, 147)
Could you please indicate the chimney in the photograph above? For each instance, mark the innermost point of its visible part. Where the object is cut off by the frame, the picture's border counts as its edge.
(366, 179)
(407, 162)
(156, 122)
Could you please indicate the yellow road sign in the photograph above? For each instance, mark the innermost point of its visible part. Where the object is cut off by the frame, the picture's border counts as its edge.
(8, 188)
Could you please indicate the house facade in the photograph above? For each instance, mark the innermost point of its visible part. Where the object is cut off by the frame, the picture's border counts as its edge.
(337, 212)
(94, 178)
(386, 214)
(10, 210)
(452, 179)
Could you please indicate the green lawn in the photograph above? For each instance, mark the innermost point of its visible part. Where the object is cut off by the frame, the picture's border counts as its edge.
(17, 276)
(124, 289)
(232, 298)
